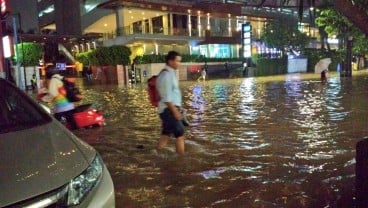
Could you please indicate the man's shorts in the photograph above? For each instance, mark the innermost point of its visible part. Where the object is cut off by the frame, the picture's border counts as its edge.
(171, 126)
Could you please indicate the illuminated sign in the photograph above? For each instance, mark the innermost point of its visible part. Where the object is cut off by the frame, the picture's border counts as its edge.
(247, 40)
(4, 6)
(61, 66)
(8, 49)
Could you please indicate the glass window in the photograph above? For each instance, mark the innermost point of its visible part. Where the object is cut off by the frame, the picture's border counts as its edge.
(18, 111)
(219, 51)
(89, 5)
(48, 10)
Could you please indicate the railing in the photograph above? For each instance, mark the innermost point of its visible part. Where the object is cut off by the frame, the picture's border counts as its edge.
(134, 30)
(139, 30)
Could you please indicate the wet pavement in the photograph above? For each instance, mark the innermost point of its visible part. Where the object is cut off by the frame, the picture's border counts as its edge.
(285, 141)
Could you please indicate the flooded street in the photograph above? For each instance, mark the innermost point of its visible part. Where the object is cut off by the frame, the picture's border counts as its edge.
(286, 141)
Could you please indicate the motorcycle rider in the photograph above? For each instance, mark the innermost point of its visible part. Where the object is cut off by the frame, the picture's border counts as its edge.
(63, 108)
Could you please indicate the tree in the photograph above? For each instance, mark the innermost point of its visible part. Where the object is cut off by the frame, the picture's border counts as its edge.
(355, 11)
(30, 54)
(335, 24)
(283, 34)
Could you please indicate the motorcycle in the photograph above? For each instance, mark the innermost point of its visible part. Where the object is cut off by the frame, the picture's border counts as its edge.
(84, 115)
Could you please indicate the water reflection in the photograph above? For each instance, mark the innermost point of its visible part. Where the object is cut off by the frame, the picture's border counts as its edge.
(283, 141)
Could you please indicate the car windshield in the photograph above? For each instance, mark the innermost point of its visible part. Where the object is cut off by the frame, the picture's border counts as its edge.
(18, 111)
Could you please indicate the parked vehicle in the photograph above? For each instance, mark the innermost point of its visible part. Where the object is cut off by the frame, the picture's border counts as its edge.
(42, 163)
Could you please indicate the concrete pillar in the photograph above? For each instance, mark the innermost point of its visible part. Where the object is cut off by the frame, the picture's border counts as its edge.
(165, 24)
(131, 29)
(68, 17)
(171, 24)
(189, 23)
(199, 24)
(229, 25)
(150, 25)
(143, 27)
(156, 49)
(119, 13)
(208, 21)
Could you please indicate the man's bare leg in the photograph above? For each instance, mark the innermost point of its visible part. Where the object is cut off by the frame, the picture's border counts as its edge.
(163, 141)
(180, 145)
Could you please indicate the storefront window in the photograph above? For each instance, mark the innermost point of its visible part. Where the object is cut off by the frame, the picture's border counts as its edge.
(220, 51)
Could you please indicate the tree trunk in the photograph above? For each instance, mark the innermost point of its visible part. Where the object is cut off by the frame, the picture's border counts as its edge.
(357, 16)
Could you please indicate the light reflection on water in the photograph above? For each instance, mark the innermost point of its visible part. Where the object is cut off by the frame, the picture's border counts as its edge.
(258, 142)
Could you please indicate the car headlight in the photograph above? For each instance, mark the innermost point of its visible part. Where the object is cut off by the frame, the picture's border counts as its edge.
(80, 186)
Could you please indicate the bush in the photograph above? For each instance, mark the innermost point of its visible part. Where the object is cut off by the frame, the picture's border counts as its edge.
(30, 54)
(83, 58)
(267, 67)
(255, 58)
(106, 56)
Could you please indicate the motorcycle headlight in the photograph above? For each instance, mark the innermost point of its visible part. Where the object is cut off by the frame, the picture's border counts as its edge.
(80, 186)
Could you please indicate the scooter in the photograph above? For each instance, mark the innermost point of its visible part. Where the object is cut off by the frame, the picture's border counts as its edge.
(84, 115)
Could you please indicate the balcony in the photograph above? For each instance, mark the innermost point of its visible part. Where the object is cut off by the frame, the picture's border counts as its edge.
(161, 31)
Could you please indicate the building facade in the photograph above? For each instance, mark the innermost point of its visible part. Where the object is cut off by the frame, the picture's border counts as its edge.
(210, 28)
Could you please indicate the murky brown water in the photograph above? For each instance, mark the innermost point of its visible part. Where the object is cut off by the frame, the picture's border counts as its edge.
(286, 141)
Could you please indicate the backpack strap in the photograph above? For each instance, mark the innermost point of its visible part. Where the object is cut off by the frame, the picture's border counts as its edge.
(163, 70)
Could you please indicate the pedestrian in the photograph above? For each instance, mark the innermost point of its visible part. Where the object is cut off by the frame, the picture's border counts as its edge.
(324, 76)
(169, 106)
(203, 75)
(89, 73)
(34, 82)
(99, 73)
(63, 108)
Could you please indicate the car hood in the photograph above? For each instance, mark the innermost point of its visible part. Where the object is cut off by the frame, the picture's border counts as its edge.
(39, 160)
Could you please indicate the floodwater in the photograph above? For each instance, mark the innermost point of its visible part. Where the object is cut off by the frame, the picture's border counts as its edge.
(285, 141)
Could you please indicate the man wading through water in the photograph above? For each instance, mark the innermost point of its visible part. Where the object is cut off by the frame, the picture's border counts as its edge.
(170, 103)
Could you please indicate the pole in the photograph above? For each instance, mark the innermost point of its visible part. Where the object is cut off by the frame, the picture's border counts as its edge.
(2, 64)
(20, 83)
(20, 37)
(349, 49)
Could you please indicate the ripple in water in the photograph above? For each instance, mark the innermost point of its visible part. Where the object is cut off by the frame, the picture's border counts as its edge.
(255, 142)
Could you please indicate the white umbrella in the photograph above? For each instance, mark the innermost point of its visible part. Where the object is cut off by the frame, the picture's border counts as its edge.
(322, 65)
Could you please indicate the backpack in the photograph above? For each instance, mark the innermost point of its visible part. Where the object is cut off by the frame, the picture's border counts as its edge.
(72, 91)
(153, 94)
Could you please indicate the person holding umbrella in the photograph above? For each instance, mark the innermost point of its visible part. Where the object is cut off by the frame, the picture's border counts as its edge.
(324, 76)
(322, 68)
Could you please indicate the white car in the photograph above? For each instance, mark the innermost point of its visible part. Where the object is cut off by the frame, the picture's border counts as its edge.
(42, 164)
